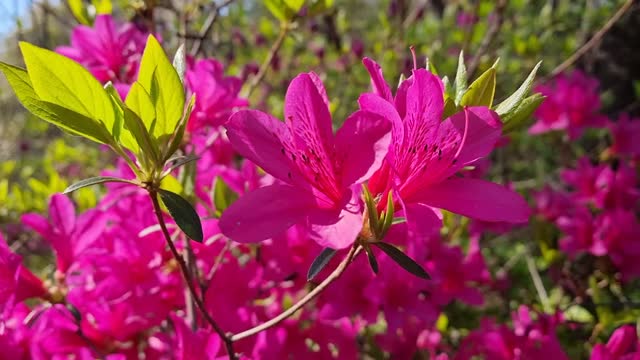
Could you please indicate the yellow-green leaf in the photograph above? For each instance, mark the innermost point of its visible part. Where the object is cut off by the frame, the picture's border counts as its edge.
(481, 91)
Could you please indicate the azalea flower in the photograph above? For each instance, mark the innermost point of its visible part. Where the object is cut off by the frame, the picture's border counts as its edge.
(17, 283)
(427, 152)
(216, 94)
(111, 52)
(572, 104)
(622, 345)
(319, 172)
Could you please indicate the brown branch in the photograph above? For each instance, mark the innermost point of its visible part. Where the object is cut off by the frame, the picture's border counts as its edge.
(185, 274)
(355, 250)
(592, 42)
(207, 26)
(284, 30)
(489, 37)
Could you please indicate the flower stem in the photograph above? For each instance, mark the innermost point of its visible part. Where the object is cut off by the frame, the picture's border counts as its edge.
(355, 250)
(185, 274)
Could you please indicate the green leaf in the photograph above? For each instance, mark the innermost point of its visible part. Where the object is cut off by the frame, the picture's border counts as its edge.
(161, 81)
(320, 262)
(59, 80)
(450, 108)
(140, 102)
(220, 198)
(80, 12)
(179, 161)
(284, 10)
(372, 259)
(183, 213)
(388, 218)
(180, 63)
(102, 6)
(125, 136)
(461, 79)
(398, 220)
(176, 140)
(319, 6)
(94, 181)
(481, 91)
(66, 119)
(137, 128)
(372, 212)
(513, 101)
(577, 313)
(402, 259)
(514, 119)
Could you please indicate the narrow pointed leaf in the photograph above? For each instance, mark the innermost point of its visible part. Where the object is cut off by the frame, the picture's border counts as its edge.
(388, 218)
(183, 213)
(403, 260)
(461, 79)
(180, 63)
(136, 126)
(372, 260)
(179, 161)
(513, 101)
(372, 212)
(320, 262)
(481, 91)
(398, 220)
(176, 140)
(517, 117)
(94, 181)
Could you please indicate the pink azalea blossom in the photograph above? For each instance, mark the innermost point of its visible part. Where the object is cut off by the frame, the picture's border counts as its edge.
(68, 235)
(427, 152)
(625, 133)
(17, 283)
(217, 95)
(529, 339)
(622, 345)
(111, 52)
(572, 104)
(319, 171)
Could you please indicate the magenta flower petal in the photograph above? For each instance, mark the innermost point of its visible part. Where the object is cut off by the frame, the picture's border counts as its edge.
(337, 230)
(265, 212)
(483, 131)
(478, 199)
(363, 142)
(380, 86)
(262, 139)
(308, 116)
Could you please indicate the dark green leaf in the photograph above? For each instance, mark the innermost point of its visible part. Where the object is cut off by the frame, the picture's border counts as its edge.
(179, 161)
(402, 259)
(93, 181)
(183, 213)
(320, 262)
(372, 259)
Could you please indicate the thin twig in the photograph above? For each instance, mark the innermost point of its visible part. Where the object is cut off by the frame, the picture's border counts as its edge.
(355, 250)
(207, 26)
(537, 282)
(185, 274)
(490, 35)
(284, 30)
(592, 42)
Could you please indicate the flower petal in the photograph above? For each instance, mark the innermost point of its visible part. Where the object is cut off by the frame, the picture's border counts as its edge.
(337, 229)
(483, 132)
(262, 139)
(380, 86)
(370, 134)
(265, 213)
(478, 199)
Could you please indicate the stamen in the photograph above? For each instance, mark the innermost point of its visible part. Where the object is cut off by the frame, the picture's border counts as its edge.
(413, 53)
(464, 135)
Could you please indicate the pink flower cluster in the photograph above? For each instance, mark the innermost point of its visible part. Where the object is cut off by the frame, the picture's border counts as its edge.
(598, 213)
(572, 104)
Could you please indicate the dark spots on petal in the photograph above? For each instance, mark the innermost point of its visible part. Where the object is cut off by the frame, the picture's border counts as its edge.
(289, 175)
(282, 151)
(426, 147)
(293, 157)
(305, 159)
